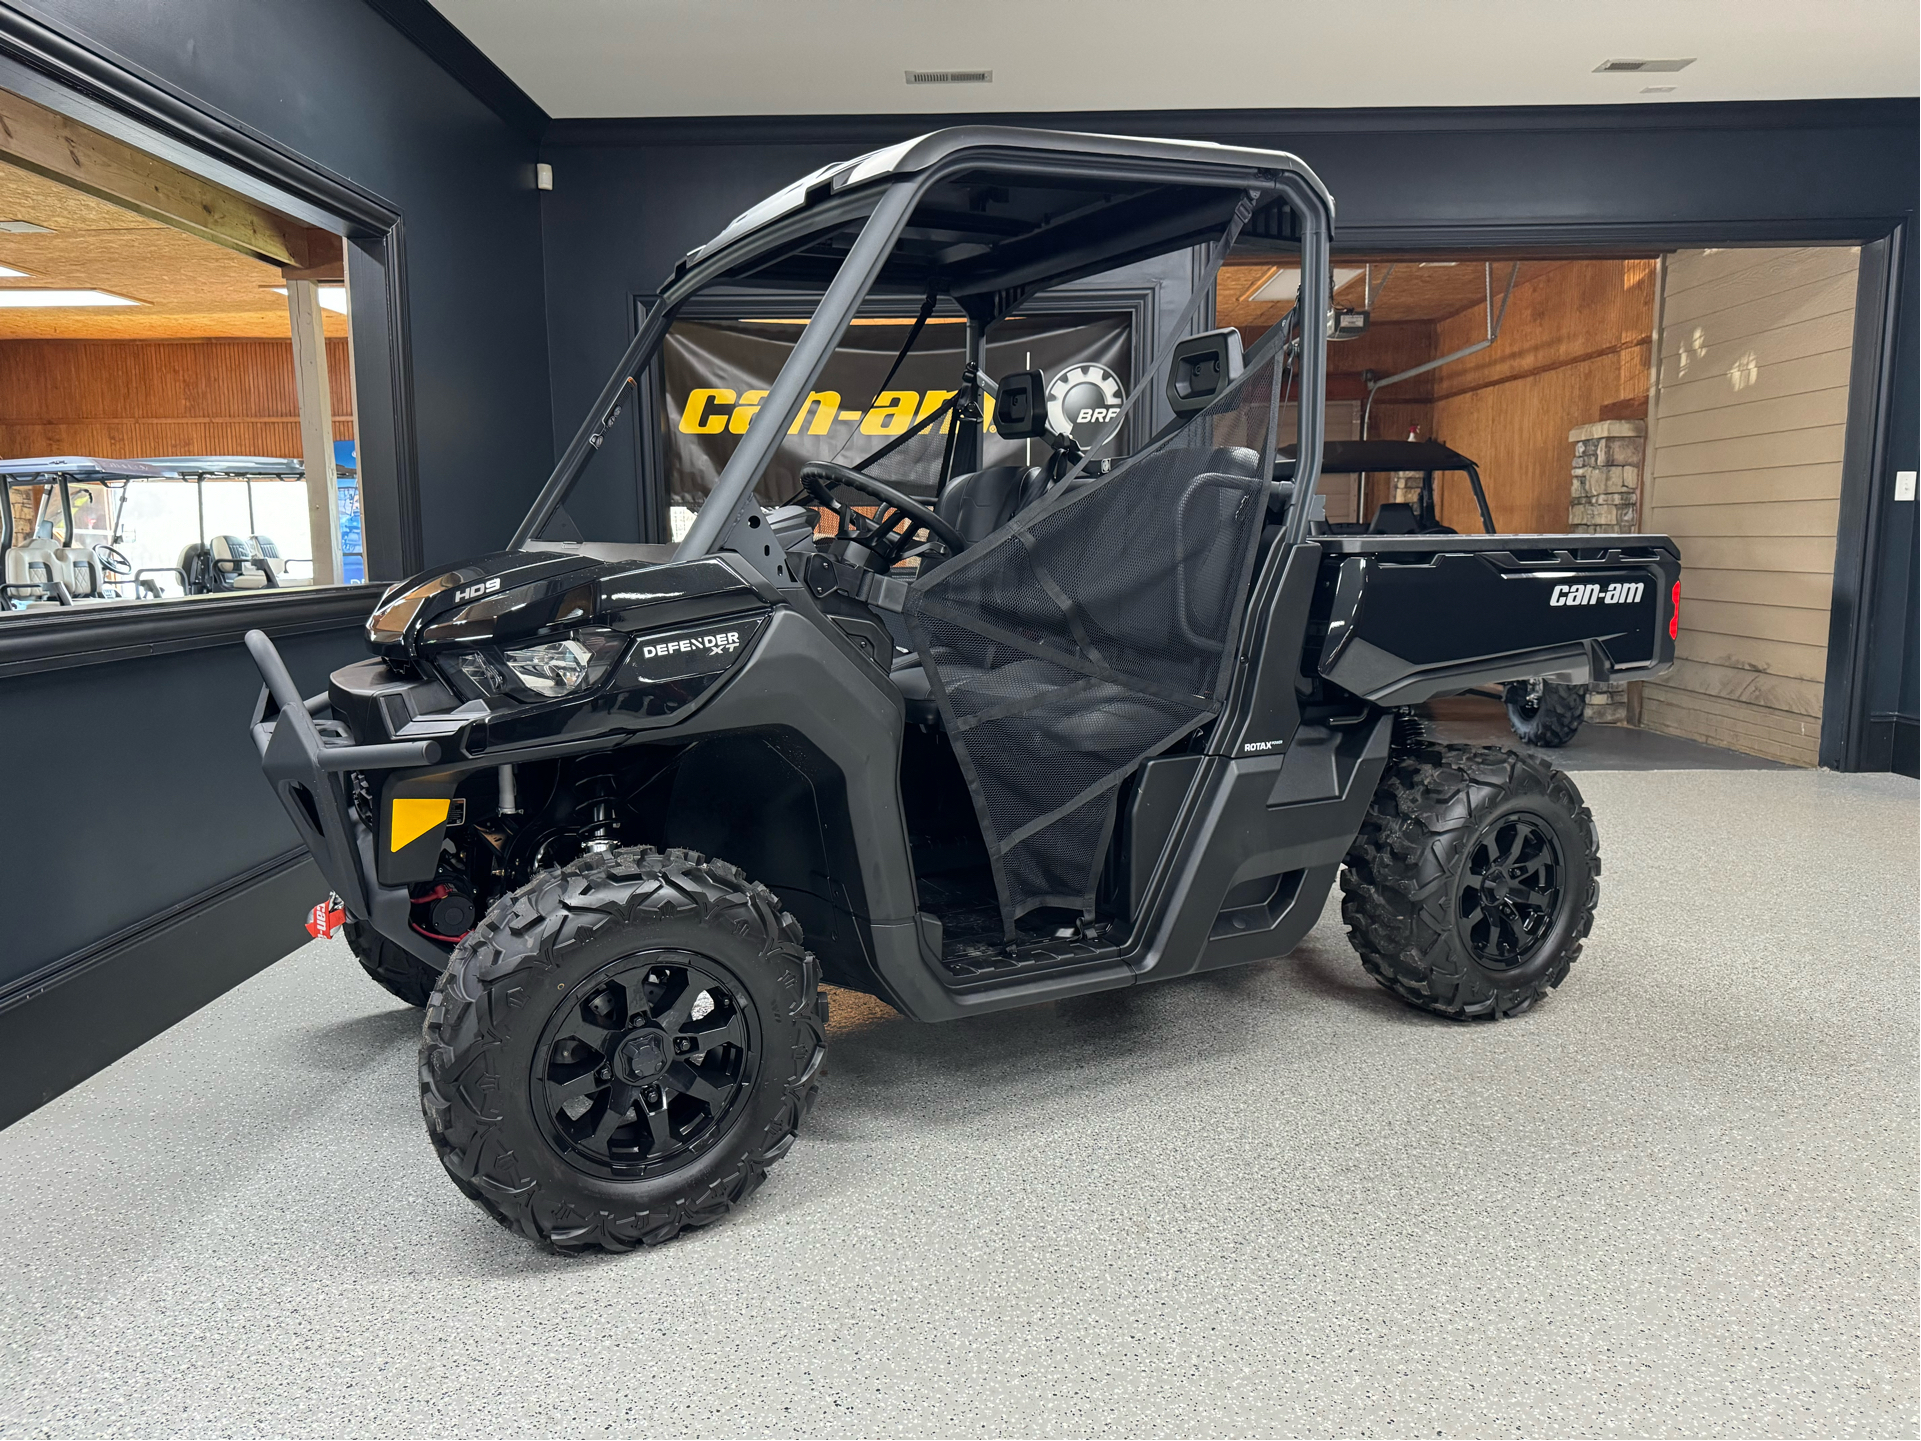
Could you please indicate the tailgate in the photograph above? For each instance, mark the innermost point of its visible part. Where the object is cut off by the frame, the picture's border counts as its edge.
(1417, 616)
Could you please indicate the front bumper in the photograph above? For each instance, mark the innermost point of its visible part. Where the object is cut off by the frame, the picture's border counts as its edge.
(307, 755)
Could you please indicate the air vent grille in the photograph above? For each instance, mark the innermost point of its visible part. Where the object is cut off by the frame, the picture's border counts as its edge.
(950, 77)
(1640, 67)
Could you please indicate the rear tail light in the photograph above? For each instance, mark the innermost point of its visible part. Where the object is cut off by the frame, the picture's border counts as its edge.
(1674, 613)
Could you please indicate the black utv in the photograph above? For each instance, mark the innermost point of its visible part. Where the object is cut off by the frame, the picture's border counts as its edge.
(1009, 733)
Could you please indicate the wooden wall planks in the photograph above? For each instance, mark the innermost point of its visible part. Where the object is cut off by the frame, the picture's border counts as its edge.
(127, 399)
(1744, 470)
(1577, 337)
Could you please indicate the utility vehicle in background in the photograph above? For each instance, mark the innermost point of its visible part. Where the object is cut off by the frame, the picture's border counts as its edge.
(613, 810)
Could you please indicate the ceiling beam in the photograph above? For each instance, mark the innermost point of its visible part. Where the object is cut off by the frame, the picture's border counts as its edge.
(50, 144)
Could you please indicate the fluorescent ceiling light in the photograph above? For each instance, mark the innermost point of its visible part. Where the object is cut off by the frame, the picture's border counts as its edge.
(7, 272)
(35, 299)
(23, 227)
(332, 297)
(1283, 283)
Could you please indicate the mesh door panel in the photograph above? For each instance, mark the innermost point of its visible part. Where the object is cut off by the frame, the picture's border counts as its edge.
(1085, 636)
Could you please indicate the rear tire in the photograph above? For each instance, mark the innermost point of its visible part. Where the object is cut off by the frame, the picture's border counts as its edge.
(1547, 716)
(396, 970)
(1473, 881)
(621, 1049)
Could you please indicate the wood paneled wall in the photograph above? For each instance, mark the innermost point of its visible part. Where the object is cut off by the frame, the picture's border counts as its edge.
(1574, 349)
(1386, 349)
(1745, 472)
(131, 398)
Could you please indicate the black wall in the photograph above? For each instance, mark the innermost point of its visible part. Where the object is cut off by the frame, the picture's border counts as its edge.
(147, 862)
(631, 197)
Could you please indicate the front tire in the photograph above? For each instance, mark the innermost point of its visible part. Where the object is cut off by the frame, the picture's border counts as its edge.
(395, 969)
(1473, 881)
(1545, 712)
(621, 1049)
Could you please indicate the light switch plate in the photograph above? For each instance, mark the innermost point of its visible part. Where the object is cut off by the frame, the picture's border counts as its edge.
(1904, 485)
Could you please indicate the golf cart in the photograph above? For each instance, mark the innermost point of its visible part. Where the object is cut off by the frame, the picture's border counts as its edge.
(1540, 711)
(53, 562)
(613, 810)
(225, 561)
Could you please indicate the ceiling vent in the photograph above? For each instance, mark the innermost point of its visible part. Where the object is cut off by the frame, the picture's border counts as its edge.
(1640, 67)
(950, 77)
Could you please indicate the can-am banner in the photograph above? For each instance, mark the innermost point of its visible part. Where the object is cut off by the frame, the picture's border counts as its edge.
(718, 372)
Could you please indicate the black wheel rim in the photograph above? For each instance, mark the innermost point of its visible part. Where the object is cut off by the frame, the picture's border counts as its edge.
(643, 1066)
(1511, 894)
(1527, 698)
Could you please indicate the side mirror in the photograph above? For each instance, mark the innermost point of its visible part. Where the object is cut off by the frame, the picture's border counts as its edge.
(1203, 367)
(1020, 408)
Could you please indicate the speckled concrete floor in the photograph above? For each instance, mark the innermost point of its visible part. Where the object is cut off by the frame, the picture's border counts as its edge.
(1680, 1198)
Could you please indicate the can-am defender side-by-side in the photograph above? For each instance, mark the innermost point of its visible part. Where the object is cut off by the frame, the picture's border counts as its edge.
(1011, 734)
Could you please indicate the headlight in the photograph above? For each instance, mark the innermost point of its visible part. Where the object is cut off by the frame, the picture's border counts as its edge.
(561, 667)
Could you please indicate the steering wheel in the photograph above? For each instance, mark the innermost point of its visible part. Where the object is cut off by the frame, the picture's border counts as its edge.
(113, 560)
(878, 533)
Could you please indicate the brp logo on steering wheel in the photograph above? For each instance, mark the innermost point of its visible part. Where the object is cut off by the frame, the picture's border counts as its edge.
(1083, 399)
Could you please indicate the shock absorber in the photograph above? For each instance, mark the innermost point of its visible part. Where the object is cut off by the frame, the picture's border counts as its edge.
(596, 800)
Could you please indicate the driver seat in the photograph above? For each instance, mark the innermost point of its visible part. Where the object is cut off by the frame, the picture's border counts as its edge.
(976, 504)
(981, 502)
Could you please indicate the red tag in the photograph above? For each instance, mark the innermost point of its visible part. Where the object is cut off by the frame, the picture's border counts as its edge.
(326, 918)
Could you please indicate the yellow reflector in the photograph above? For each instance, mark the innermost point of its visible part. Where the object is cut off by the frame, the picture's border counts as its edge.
(413, 819)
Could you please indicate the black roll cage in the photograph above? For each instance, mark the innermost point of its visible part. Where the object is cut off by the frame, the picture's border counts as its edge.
(731, 515)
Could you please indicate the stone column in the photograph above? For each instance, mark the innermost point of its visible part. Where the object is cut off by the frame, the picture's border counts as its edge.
(1606, 500)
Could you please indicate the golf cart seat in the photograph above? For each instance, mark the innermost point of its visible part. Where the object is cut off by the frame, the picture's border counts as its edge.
(239, 565)
(267, 557)
(32, 567)
(81, 569)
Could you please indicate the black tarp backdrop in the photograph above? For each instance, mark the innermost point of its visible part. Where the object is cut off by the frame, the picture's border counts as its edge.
(716, 372)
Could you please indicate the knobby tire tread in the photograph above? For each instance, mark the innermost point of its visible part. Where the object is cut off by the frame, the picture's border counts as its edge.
(394, 969)
(505, 961)
(1399, 882)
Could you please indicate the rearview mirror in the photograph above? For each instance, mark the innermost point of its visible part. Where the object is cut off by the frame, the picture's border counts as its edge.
(1203, 367)
(1020, 408)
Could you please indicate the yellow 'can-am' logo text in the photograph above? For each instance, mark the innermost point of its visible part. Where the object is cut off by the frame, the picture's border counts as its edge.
(713, 410)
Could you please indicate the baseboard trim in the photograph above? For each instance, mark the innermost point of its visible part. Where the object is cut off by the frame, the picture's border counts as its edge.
(86, 1011)
(1904, 744)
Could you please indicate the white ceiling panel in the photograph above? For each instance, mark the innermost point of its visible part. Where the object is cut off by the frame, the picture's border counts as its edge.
(581, 58)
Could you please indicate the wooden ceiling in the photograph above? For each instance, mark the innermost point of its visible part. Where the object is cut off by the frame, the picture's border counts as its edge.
(1417, 290)
(188, 288)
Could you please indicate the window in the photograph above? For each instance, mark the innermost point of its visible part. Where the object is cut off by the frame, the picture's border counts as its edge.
(177, 406)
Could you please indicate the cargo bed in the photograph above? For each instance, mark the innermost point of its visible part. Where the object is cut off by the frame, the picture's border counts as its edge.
(1409, 617)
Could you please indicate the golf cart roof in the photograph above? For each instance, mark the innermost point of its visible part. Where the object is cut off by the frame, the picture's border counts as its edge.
(37, 469)
(1352, 457)
(234, 467)
(1014, 208)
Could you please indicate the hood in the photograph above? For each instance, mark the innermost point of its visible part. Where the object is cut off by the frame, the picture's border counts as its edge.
(411, 606)
(513, 595)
